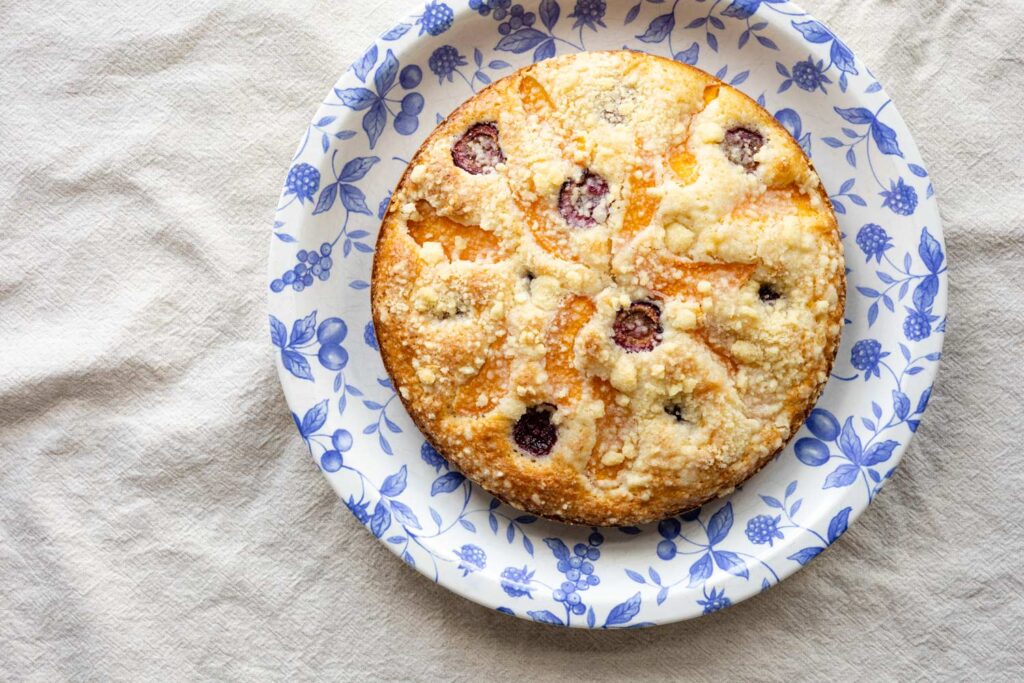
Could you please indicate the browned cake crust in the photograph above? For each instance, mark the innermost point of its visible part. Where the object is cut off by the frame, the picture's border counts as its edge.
(608, 288)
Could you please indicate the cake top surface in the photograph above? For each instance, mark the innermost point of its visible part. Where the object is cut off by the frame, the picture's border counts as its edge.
(609, 287)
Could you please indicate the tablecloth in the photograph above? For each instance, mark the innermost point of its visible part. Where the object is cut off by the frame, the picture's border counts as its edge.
(159, 516)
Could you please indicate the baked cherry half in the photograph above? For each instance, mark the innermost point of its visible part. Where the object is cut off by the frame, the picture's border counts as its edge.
(534, 432)
(583, 202)
(768, 294)
(638, 328)
(478, 150)
(740, 145)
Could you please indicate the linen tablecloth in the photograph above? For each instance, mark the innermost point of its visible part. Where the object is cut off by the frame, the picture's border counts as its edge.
(159, 516)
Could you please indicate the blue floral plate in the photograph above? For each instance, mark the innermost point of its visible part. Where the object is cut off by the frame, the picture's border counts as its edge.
(339, 182)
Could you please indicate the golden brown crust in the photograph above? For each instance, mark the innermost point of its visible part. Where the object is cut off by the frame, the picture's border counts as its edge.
(487, 302)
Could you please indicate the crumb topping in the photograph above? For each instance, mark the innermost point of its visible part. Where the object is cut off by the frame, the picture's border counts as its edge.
(609, 287)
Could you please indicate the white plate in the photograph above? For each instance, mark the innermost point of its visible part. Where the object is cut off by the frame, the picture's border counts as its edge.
(352, 155)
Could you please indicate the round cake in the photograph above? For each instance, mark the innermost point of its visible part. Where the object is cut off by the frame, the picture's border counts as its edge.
(609, 288)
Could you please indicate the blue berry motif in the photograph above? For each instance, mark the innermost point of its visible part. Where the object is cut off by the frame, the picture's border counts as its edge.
(473, 558)
(873, 241)
(444, 62)
(714, 601)
(917, 326)
(370, 337)
(330, 334)
(430, 456)
(303, 182)
(865, 356)
(517, 18)
(810, 75)
(480, 7)
(578, 569)
(516, 582)
(764, 529)
(900, 198)
(312, 265)
(589, 13)
(500, 8)
(437, 18)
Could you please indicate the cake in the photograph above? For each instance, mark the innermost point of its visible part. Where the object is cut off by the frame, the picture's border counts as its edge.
(608, 288)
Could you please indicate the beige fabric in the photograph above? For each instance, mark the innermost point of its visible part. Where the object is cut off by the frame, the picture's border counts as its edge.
(159, 518)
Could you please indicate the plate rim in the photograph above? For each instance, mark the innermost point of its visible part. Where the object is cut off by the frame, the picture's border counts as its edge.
(931, 220)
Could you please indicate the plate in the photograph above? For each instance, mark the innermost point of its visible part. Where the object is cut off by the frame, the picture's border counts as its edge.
(338, 184)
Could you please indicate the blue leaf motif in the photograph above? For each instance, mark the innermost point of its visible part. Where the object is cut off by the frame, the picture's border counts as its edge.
(655, 576)
(741, 9)
(284, 237)
(295, 363)
(386, 72)
(356, 98)
(900, 404)
(930, 252)
(832, 142)
(521, 41)
(397, 32)
(278, 332)
(696, 23)
(384, 445)
(381, 519)
(558, 548)
(689, 55)
(700, 570)
(791, 489)
(357, 168)
(720, 524)
(731, 563)
(303, 330)
(395, 483)
(844, 475)
(849, 442)
(842, 58)
(659, 28)
(924, 293)
(712, 42)
(662, 595)
(838, 524)
(545, 617)
(545, 50)
(923, 401)
(632, 13)
(917, 170)
(447, 483)
(806, 555)
(771, 502)
(549, 12)
(365, 63)
(353, 199)
(404, 514)
(624, 612)
(374, 122)
(326, 199)
(313, 419)
(812, 31)
(858, 115)
(635, 576)
(885, 138)
(880, 452)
